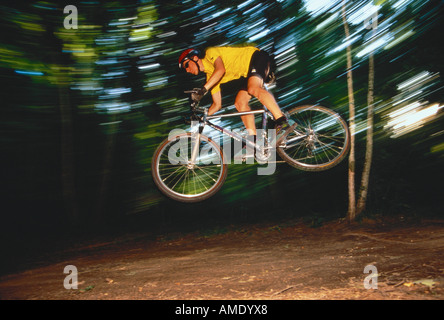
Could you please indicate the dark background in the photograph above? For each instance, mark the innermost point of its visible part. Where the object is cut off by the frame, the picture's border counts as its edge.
(84, 109)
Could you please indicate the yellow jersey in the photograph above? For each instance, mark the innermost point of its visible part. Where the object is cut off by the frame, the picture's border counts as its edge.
(236, 61)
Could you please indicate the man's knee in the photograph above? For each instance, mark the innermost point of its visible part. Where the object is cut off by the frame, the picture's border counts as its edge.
(255, 91)
(214, 108)
(241, 102)
(241, 106)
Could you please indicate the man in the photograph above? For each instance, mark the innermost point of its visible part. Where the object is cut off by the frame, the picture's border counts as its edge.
(225, 64)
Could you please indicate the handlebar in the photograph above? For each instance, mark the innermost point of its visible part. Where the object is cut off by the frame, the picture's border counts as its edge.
(191, 91)
(194, 105)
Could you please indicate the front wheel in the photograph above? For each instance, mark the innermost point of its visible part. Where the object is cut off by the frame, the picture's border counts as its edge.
(179, 178)
(320, 140)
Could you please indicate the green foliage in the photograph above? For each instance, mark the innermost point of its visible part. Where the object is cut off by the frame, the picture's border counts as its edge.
(117, 75)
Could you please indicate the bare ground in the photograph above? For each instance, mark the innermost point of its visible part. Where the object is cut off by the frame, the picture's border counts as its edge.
(272, 262)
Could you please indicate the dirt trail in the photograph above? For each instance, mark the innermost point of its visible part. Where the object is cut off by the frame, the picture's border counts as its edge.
(270, 262)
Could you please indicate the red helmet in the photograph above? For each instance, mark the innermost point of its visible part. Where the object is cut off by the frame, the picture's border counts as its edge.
(187, 55)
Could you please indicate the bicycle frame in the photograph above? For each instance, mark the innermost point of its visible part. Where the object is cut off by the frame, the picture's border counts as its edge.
(232, 134)
(316, 140)
(265, 116)
(205, 121)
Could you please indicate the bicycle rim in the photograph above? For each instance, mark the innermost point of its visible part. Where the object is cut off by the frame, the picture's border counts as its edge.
(320, 141)
(180, 180)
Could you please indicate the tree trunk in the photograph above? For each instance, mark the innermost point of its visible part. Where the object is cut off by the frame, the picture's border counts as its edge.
(351, 214)
(67, 152)
(108, 161)
(363, 191)
(60, 72)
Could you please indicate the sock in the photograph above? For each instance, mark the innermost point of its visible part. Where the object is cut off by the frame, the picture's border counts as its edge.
(280, 120)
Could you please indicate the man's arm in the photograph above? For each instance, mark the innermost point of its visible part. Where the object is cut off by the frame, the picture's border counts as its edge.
(217, 103)
(217, 75)
(219, 71)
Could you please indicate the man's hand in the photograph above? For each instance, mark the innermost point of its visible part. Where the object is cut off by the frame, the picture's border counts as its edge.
(198, 94)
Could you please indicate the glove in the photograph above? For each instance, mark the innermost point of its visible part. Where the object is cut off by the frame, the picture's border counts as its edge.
(198, 94)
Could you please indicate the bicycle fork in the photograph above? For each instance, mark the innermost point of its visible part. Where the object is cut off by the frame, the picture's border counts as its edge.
(195, 146)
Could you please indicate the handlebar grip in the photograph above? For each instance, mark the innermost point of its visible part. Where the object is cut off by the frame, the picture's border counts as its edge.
(193, 104)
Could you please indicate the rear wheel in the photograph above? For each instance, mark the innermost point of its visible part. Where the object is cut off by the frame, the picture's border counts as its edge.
(181, 180)
(320, 140)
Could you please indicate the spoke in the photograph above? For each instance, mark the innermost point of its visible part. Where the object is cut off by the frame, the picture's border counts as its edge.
(324, 152)
(204, 171)
(164, 179)
(337, 139)
(331, 146)
(184, 180)
(194, 183)
(202, 182)
(170, 170)
(179, 179)
(298, 143)
(318, 141)
(168, 164)
(299, 150)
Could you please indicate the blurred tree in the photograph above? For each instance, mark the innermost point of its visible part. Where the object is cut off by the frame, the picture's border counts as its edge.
(351, 214)
(105, 94)
(61, 75)
(363, 190)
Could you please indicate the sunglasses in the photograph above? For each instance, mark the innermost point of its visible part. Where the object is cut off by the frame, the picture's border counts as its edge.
(186, 64)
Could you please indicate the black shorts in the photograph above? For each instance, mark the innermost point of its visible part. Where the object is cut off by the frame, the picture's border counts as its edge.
(260, 65)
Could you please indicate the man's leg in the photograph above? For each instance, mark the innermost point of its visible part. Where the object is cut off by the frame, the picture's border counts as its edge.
(241, 104)
(256, 89)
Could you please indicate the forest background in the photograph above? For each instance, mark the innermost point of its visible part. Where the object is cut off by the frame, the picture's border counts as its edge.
(84, 108)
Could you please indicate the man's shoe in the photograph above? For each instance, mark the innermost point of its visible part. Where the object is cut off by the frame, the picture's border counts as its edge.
(282, 131)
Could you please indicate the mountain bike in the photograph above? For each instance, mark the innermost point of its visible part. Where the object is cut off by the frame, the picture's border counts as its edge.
(191, 167)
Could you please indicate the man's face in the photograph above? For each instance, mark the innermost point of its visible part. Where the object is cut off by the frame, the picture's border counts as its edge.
(191, 66)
